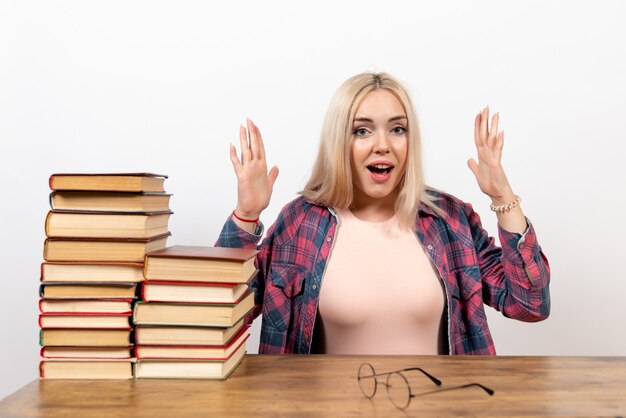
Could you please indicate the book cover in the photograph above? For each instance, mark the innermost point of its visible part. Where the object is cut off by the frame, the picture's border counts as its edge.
(114, 182)
(201, 264)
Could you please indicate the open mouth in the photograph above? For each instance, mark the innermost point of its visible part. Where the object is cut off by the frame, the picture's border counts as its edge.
(380, 168)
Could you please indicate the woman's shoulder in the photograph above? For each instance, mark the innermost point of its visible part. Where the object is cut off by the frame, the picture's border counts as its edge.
(291, 218)
(451, 207)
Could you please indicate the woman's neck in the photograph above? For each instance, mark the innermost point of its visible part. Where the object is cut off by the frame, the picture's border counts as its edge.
(373, 210)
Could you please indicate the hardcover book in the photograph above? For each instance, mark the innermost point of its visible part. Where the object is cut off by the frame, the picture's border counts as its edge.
(102, 249)
(85, 369)
(112, 182)
(94, 290)
(208, 315)
(81, 271)
(185, 369)
(84, 306)
(84, 320)
(106, 224)
(201, 264)
(62, 352)
(110, 201)
(192, 292)
(195, 352)
(185, 335)
(86, 337)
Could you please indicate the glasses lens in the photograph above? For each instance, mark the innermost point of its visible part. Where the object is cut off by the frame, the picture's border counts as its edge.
(367, 380)
(398, 390)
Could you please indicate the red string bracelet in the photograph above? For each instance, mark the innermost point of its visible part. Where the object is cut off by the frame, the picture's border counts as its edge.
(252, 221)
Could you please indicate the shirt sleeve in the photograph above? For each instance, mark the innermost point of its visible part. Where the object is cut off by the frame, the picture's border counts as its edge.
(232, 236)
(516, 276)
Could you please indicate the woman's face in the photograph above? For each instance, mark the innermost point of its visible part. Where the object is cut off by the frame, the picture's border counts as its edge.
(379, 147)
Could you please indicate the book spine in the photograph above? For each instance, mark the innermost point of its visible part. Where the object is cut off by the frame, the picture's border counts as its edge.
(134, 316)
(45, 250)
(41, 337)
(41, 290)
(41, 374)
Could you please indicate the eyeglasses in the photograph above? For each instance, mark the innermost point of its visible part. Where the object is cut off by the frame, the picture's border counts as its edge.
(398, 387)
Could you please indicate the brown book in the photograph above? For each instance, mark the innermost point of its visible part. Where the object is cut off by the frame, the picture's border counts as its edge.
(77, 271)
(102, 249)
(201, 264)
(84, 321)
(195, 352)
(110, 182)
(84, 306)
(110, 201)
(185, 369)
(192, 292)
(207, 315)
(162, 335)
(106, 224)
(103, 290)
(86, 352)
(86, 337)
(85, 369)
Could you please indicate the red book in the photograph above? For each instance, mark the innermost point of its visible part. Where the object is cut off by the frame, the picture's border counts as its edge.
(82, 306)
(89, 320)
(94, 353)
(195, 352)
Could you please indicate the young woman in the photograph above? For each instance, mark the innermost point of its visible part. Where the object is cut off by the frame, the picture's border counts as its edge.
(368, 260)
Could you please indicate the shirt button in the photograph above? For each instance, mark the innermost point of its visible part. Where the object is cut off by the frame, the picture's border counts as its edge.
(329, 239)
(430, 247)
(314, 286)
(521, 246)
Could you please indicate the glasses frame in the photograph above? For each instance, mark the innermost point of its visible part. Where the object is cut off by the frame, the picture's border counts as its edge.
(412, 395)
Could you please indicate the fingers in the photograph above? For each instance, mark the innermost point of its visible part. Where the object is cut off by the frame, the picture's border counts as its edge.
(272, 176)
(259, 148)
(245, 148)
(473, 165)
(484, 128)
(477, 129)
(493, 132)
(252, 136)
(233, 158)
(499, 145)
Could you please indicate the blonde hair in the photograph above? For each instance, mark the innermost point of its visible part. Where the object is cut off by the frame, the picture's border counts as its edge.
(331, 182)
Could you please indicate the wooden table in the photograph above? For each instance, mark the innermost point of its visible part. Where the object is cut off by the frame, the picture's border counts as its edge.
(319, 386)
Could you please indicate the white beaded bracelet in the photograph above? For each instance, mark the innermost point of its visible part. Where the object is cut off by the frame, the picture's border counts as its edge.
(506, 208)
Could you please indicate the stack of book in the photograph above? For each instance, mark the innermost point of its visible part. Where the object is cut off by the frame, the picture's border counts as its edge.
(98, 232)
(190, 322)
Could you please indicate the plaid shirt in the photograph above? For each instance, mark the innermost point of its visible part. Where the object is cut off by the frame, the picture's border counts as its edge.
(292, 259)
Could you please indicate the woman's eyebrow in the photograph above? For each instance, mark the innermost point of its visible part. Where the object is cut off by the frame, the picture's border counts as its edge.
(393, 119)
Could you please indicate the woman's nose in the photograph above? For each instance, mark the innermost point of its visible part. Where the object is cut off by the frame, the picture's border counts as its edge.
(381, 144)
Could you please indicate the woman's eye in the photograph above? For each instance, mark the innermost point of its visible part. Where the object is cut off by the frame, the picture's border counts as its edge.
(399, 130)
(360, 132)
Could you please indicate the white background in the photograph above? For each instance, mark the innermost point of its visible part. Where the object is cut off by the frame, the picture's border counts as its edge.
(163, 86)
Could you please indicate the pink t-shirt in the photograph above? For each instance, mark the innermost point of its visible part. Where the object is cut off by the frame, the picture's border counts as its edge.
(380, 293)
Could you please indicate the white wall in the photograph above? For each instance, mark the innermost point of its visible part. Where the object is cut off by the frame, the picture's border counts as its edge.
(163, 86)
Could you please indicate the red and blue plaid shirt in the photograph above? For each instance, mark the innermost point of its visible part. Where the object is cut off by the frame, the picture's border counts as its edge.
(292, 259)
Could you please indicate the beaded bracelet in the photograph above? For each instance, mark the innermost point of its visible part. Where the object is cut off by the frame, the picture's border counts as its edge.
(506, 208)
(252, 221)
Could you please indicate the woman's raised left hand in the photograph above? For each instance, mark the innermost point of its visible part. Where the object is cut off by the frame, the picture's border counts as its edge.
(488, 170)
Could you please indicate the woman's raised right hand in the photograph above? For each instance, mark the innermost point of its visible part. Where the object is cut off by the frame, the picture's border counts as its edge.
(254, 183)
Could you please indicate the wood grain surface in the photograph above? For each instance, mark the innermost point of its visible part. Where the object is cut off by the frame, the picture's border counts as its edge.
(326, 386)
